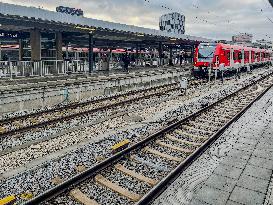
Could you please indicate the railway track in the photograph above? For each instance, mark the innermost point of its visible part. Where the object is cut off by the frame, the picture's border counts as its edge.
(47, 117)
(141, 172)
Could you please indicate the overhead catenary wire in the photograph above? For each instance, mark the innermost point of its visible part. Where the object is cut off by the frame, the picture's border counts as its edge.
(197, 18)
(226, 23)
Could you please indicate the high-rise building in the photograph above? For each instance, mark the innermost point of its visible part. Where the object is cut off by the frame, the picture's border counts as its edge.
(264, 43)
(242, 38)
(172, 22)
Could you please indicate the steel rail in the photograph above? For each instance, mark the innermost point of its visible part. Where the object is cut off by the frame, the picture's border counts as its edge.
(22, 129)
(81, 104)
(174, 174)
(91, 172)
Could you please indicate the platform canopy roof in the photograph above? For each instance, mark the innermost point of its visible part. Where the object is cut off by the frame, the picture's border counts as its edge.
(75, 28)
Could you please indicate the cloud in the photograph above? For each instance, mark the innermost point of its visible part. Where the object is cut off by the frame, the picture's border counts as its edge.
(224, 18)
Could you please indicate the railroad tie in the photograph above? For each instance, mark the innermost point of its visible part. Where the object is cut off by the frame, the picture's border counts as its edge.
(208, 121)
(227, 115)
(80, 168)
(203, 125)
(138, 176)
(57, 180)
(170, 137)
(82, 198)
(116, 188)
(2, 130)
(242, 105)
(220, 119)
(232, 112)
(100, 158)
(180, 132)
(226, 110)
(188, 151)
(160, 154)
(197, 129)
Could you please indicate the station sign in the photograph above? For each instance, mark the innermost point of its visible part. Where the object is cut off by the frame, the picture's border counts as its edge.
(10, 35)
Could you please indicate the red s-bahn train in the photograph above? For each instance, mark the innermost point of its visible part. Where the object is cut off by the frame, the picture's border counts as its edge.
(228, 57)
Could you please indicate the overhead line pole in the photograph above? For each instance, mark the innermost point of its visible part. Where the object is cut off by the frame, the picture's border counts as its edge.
(90, 56)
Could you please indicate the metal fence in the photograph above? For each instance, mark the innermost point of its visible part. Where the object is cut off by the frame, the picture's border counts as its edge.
(41, 68)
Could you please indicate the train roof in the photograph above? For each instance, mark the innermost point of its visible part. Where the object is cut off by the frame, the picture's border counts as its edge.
(240, 47)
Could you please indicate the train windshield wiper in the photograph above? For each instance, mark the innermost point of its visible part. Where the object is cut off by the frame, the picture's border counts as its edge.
(209, 54)
(201, 56)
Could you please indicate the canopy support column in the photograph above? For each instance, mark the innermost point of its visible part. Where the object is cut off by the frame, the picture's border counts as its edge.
(160, 51)
(35, 44)
(90, 56)
(137, 54)
(171, 56)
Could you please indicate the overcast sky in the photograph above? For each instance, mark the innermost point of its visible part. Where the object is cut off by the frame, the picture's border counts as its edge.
(217, 19)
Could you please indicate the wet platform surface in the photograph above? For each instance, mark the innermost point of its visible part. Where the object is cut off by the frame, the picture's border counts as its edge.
(237, 169)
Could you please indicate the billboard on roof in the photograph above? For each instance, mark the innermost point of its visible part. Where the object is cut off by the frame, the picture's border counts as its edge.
(70, 11)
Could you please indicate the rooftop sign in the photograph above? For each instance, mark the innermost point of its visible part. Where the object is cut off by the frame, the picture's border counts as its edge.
(70, 11)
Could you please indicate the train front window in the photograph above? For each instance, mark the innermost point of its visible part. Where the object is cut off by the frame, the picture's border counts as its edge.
(206, 52)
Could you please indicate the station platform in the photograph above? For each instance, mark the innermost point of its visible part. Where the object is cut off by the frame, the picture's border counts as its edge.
(75, 76)
(236, 169)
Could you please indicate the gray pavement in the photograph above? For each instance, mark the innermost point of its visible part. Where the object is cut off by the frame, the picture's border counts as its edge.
(237, 169)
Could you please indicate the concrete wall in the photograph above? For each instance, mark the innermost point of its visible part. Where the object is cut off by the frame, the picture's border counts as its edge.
(44, 96)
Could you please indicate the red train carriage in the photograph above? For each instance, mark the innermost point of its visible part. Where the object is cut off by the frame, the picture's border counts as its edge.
(228, 57)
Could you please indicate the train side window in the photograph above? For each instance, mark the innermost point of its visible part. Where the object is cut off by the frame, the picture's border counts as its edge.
(235, 55)
(217, 60)
(240, 56)
(246, 55)
(228, 55)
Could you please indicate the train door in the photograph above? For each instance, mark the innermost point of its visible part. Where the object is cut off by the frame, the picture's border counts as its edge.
(249, 57)
(232, 57)
(217, 61)
(246, 59)
(259, 57)
(242, 57)
(252, 56)
(235, 56)
(227, 54)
